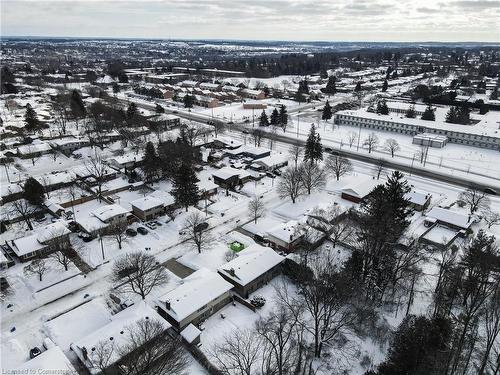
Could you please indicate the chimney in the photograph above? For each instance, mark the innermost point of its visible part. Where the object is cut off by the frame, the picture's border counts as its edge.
(231, 272)
(167, 305)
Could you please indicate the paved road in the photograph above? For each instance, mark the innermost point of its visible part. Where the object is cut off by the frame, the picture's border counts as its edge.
(464, 182)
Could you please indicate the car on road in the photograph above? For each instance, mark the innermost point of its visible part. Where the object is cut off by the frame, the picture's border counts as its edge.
(131, 232)
(142, 231)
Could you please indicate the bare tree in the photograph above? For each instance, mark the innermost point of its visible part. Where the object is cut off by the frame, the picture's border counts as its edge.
(61, 247)
(149, 350)
(491, 217)
(22, 208)
(279, 341)
(295, 153)
(195, 231)
(256, 208)
(101, 356)
(237, 353)
(338, 165)
(352, 138)
(312, 176)
(475, 199)
(324, 296)
(37, 267)
(45, 181)
(5, 289)
(290, 184)
(331, 222)
(371, 142)
(257, 135)
(96, 167)
(32, 154)
(491, 318)
(117, 231)
(392, 146)
(138, 273)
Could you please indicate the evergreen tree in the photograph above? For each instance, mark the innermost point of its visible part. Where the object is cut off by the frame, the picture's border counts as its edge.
(410, 112)
(159, 109)
(185, 189)
(116, 88)
(452, 115)
(331, 86)
(385, 85)
(275, 117)
(34, 191)
(494, 94)
(76, 104)
(303, 87)
(358, 87)
(283, 117)
(299, 97)
(188, 101)
(428, 114)
(327, 112)
(313, 151)
(30, 118)
(150, 163)
(382, 107)
(263, 121)
(132, 111)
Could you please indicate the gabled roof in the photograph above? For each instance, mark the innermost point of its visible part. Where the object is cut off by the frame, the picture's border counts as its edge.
(196, 291)
(450, 217)
(105, 213)
(251, 263)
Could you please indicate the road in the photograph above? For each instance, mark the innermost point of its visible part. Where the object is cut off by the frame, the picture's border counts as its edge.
(288, 139)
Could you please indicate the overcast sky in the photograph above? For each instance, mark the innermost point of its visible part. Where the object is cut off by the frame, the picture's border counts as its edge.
(331, 20)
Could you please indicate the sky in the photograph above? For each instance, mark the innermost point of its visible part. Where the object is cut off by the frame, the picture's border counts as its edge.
(318, 20)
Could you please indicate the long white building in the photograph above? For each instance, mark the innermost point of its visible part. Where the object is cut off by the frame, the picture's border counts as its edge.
(485, 133)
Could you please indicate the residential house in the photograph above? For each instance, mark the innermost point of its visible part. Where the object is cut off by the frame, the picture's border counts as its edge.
(147, 208)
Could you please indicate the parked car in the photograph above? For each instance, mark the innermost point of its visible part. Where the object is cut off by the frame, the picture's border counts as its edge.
(35, 352)
(151, 225)
(157, 223)
(142, 231)
(131, 232)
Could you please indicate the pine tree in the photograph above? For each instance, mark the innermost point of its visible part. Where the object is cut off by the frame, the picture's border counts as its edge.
(358, 87)
(34, 191)
(382, 107)
(185, 189)
(327, 112)
(283, 117)
(313, 151)
(275, 117)
(76, 104)
(132, 111)
(452, 115)
(263, 121)
(150, 163)
(331, 86)
(188, 101)
(410, 112)
(385, 85)
(428, 114)
(30, 118)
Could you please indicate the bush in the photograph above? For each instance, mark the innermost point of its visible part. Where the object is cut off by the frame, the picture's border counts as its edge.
(258, 301)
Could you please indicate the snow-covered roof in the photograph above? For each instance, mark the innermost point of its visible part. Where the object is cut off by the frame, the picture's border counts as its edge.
(36, 240)
(116, 331)
(450, 217)
(417, 197)
(287, 232)
(147, 203)
(250, 263)
(361, 188)
(52, 231)
(166, 198)
(33, 148)
(51, 361)
(105, 213)
(226, 173)
(197, 290)
(190, 333)
(273, 160)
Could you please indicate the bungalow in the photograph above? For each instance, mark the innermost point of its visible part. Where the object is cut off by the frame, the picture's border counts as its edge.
(253, 267)
(51, 361)
(254, 105)
(40, 241)
(360, 190)
(286, 236)
(127, 161)
(147, 208)
(201, 294)
(210, 86)
(206, 101)
(273, 162)
(68, 144)
(419, 201)
(102, 217)
(117, 332)
(448, 218)
(34, 149)
(165, 121)
(229, 178)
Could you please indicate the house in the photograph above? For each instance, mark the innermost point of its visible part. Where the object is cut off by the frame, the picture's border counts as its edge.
(51, 361)
(286, 236)
(210, 86)
(254, 105)
(253, 267)
(359, 190)
(431, 140)
(101, 218)
(164, 121)
(253, 94)
(226, 142)
(39, 241)
(455, 220)
(200, 295)
(273, 162)
(229, 178)
(191, 335)
(206, 101)
(35, 149)
(127, 161)
(147, 208)
(419, 201)
(68, 144)
(117, 332)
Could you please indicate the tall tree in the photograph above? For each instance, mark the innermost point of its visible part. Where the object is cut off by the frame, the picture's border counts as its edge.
(30, 118)
(330, 88)
(410, 112)
(385, 86)
(185, 188)
(428, 114)
(34, 191)
(290, 184)
(195, 231)
(275, 117)
(338, 165)
(263, 120)
(150, 163)
(283, 121)
(327, 112)
(313, 150)
(382, 107)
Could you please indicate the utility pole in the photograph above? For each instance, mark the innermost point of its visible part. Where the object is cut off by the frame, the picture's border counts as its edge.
(298, 123)
(102, 247)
